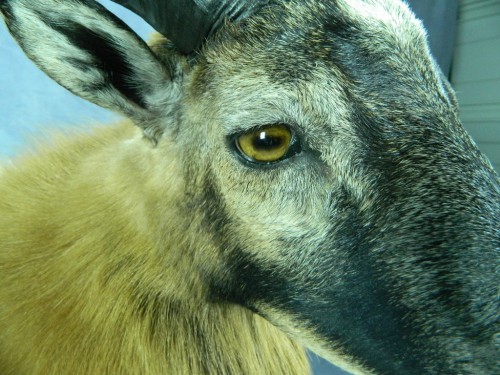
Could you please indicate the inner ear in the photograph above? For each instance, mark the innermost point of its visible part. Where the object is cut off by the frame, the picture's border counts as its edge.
(110, 61)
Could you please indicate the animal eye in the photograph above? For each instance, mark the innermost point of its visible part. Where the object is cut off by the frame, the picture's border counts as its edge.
(267, 144)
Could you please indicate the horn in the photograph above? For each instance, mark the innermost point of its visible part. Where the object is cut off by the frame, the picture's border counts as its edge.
(187, 23)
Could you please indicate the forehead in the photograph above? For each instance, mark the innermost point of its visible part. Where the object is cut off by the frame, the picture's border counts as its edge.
(312, 31)
(354, 49)
(361, 42)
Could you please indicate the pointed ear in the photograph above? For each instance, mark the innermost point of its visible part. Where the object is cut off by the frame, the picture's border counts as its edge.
(92, 53)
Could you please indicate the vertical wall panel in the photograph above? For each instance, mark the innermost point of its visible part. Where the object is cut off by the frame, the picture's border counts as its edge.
(476, 73)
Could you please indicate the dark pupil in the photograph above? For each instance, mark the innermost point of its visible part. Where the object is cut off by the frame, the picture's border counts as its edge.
(264, 141)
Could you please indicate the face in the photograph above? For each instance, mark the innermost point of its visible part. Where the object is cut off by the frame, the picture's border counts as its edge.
(338, 184)
(322, 150)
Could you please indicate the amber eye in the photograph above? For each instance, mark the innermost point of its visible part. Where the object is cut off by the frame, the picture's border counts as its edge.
(265, 145)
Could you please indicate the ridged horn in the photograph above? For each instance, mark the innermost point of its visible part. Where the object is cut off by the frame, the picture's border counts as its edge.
(187, 23)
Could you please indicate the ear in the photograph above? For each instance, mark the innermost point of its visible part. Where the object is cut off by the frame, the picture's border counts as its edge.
(92, 53)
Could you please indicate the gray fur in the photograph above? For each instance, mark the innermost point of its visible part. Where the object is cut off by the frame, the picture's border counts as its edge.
(377, 245)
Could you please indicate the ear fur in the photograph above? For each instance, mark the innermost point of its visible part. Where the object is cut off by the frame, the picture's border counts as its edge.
(92, 53)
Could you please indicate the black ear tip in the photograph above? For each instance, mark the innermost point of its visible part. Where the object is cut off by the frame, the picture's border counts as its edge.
(5, 6)
(4, 9)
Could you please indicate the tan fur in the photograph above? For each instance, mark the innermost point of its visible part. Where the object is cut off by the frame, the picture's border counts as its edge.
(160, 249)
(86, 290)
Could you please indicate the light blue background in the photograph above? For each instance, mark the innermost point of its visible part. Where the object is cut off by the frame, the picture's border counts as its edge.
(31, 103)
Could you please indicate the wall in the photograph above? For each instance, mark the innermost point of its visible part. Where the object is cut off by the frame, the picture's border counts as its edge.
(476, 73)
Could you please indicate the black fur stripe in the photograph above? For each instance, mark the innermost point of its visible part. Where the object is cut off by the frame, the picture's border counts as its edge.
(109, 59)
(4, 6)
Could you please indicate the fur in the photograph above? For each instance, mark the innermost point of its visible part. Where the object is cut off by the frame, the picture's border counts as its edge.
(116, 301)
(160, 249)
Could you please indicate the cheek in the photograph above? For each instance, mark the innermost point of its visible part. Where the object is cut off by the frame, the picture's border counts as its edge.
(277, 208)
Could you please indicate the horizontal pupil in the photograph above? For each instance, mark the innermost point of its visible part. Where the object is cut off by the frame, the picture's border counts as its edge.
(265, 142)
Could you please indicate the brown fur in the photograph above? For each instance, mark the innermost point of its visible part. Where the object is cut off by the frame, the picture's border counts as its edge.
(86, 290)
(375, 243)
